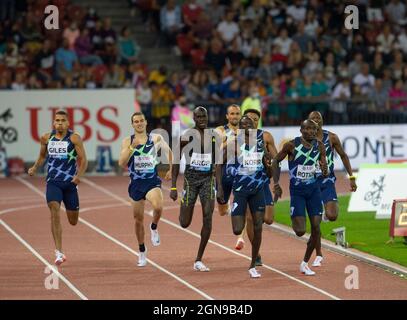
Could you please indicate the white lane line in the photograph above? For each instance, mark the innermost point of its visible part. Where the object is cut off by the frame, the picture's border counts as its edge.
(36, 254)
(101, 232)
(124, 201)
(22, 208)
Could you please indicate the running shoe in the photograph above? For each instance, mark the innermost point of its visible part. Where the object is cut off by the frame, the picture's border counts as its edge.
(142, 258)
(155, 237)
(318, 261)
(239, 244)
(254, 273)
(306, 270)
(199, 266)
(59, 258)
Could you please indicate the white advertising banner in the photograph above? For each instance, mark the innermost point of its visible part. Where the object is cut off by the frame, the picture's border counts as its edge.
(378, 186)
(362, 143)
(101, 117)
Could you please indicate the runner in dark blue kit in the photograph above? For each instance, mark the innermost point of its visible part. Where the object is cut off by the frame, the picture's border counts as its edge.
(66, 165)
(250, 159)
(305, 155)
(139, 155)
(328, 192)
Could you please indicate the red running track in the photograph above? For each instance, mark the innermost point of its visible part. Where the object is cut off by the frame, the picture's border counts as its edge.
(102, 248)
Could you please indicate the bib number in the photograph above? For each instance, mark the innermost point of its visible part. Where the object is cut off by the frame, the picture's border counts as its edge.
(201, 162)
(306, 172)
(58, 149)
(145, 164)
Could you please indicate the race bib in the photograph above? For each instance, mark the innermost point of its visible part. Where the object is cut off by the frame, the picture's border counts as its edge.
(144, 163)
(201, 162)
(252, 162)
(58, 149)
(306, 172)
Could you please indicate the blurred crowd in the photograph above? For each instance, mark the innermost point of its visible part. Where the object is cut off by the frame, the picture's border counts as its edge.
(294, 56)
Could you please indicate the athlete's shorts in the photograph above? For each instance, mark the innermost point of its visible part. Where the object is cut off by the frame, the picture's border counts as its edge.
(242, 198)
(67, 192)
(227, 186)
(198, 184)
(328, 191)
(268, 197)
(139, 188)
(306, 198)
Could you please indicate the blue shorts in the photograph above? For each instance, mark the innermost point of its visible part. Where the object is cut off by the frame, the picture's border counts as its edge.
(67, 192)
(306, 198)
(138, 189)
(255, 200)
(268, 197)
(328, 191)
(227, 186)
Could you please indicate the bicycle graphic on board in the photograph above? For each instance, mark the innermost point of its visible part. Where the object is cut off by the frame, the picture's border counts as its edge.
(375, 195)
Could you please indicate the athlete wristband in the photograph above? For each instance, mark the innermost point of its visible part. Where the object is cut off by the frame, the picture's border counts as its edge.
(173, 189)
(131, 148)
(352, 178)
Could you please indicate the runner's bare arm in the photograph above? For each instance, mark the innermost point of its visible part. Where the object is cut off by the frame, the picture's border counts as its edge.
(165, 148)
(175, 170)
(270, 145)
(81, 159)
(337, 146)
(42, 156)
(322, 158)
(280, 156)
(125, 152)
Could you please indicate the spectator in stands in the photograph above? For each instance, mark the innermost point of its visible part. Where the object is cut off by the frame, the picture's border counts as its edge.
(83, 49)
(233, 55)
(108, 34)
(338, 106)
(215, 10)
(274, 96)
(203, 28)
(320, 90)
(45, 62)
(158, 76)
(256, 12)
(171, 22)
(396, 12)
(144, 97)
(312, 28)
(355, 66)
(302, 38)
(128, 48)
(96, 37)
(385, 42)
(398, 97)
(71, 34)
(294, 112)
(190, 12)
(378, 65)
(364, 79)
(297, 11)
(7, 9)
(66, 59)
(11, 55)
(114, 77)
(378, 96)
(215, 57)
(19, 82)
(398, 65)
(283, 41)
(232, 92)
(314, 65)
(91, 18)
(228, 30)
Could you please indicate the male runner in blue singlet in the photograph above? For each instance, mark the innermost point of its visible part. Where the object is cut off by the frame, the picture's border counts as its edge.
(139, 155)
(250, 161)
(66, 165)
(305, 155)
(328, 192)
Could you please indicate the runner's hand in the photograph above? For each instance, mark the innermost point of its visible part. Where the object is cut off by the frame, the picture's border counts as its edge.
(220, 196)
(353, 185)
(277, 192)
(76, 180)
(324, 168)
(174, 195)
(32, 170)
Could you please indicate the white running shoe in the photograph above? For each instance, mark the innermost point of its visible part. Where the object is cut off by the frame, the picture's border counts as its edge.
(254, 273)
(239, 244)
(199, 266)
(142, 258)
(59, 258)
(324, 218)
(155, 237)
(306, 270)
(318, 261)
